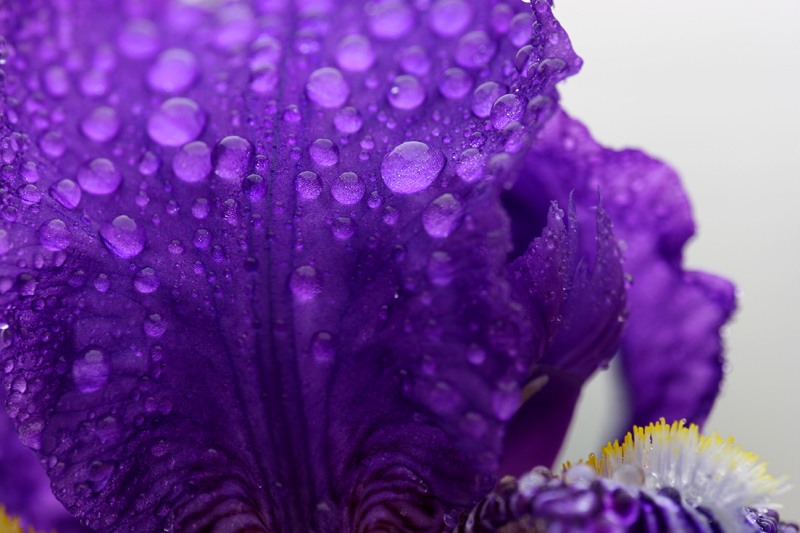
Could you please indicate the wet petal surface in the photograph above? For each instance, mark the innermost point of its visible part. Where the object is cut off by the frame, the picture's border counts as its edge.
(249, 315)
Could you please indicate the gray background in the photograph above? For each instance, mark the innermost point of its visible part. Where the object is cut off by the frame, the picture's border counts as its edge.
(712, 87)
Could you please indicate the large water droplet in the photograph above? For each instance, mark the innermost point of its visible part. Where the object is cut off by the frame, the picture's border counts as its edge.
(442, 216)
(99, 176)
(411, 167)
(475, 49)
(177, 122)
(324, 152)
(67, 193)
(450, 17)
(406, 92)
(56, 81)
(327, 87)
(485, 96)
(390, 19)
(348, 188)
(52, 143)
(305, 282)
(146, 280)
(54, 235)
(354, 53)
(470, 165)
(507, 109)
(455, 83)
(91, 370)
(173, 72)
(232, 158)
(123, 237)
(520, 30)
(348, 120)
(101, 124)
(308, 185)
(192, 162)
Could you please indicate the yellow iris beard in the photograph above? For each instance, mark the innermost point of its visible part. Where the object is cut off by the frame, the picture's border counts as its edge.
(10, 524)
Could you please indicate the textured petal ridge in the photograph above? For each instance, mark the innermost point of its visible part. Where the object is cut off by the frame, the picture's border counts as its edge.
(254, 273)
(671, 350)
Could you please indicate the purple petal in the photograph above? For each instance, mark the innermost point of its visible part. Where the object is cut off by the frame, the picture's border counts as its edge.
(274, 295)
(583, 312)
(671, 350)
(24, 486)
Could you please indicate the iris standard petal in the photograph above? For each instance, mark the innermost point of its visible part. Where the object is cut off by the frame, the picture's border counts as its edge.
(583, 309)
(671, 350)
(252, 283)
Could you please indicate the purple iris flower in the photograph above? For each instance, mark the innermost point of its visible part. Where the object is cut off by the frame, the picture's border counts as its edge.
(318, 265)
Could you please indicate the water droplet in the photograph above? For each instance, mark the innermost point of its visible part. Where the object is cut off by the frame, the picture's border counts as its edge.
(470, 165)
(442, 216)
(323, 346)
(308, 185)
(500, 18)
(520, 30)
(232, 158)
(94, 83)
(485, 96)
(138, 39)
(91, 370)
(450, 17)
(264, 79)
(202, 239)
(390, 19)
(102, 283)
(255, 187)
(440, 268)
(475, 354)
(200, 208)
(30, 194)
(123, 237)
(324, 152)
(54, 235)
(56, 81)
(266, 51)
(101, 124)
(506, 400)
(411, 167)
(192, 162)
(475, 49)
(629, 474)
(507, 109)
(5, 246)
(305, 282)
(173, 72)
(146, 280)
(177, 122)
(327, 87)
(406, 92)
(348, 188)
(455, 83)
(99, 176)
(343, 228)
(29, 172)
(154, 326)
(52, 143)
(354, 53)
(348, 120)
(415, 60)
